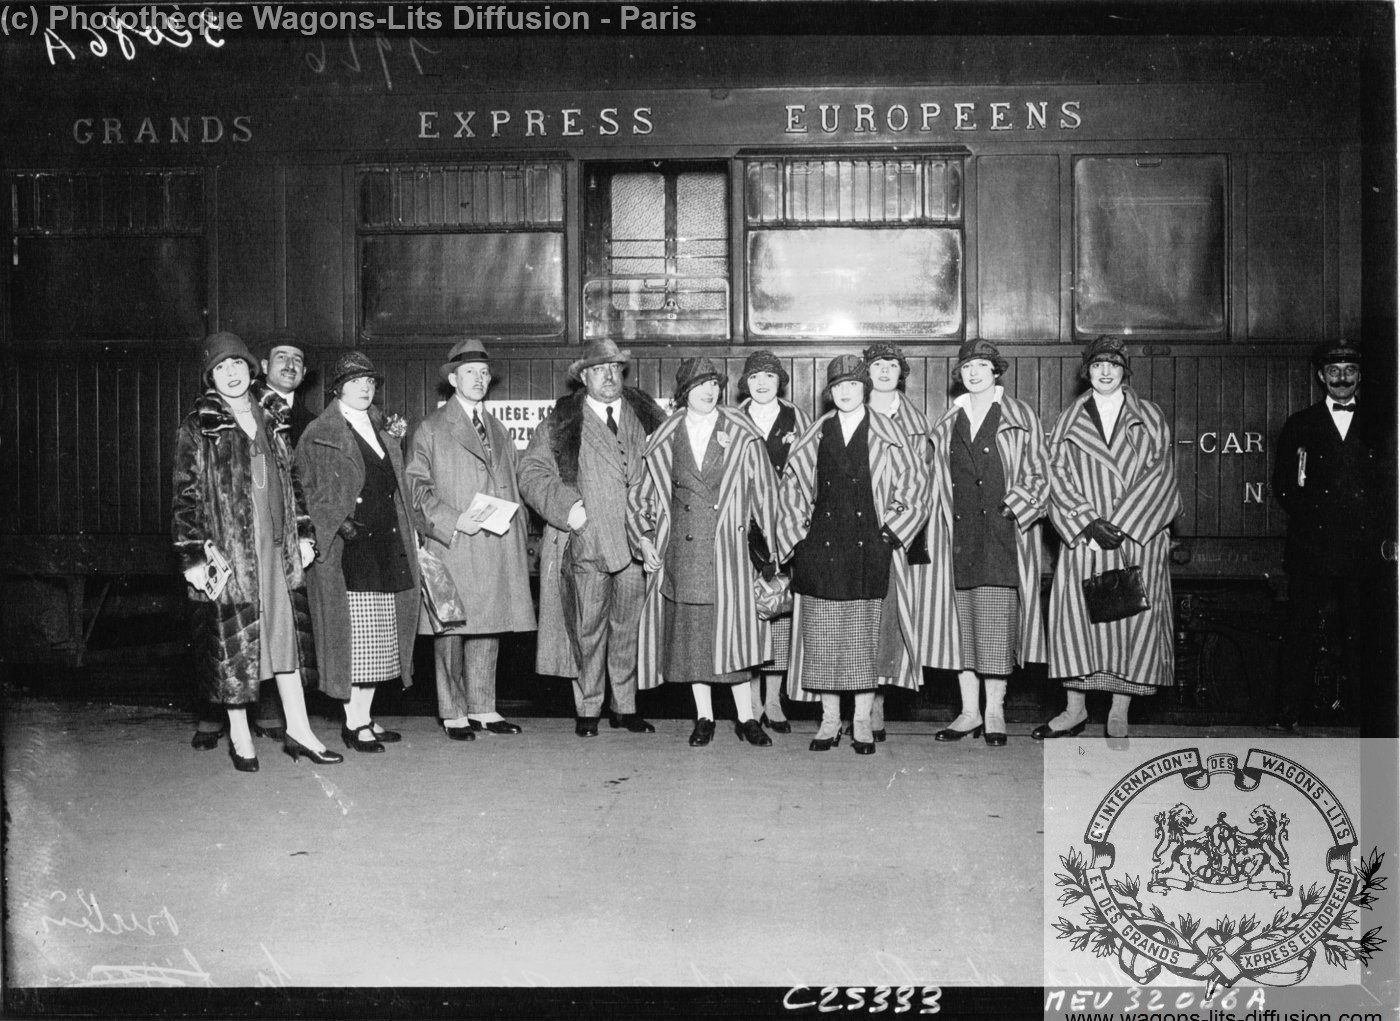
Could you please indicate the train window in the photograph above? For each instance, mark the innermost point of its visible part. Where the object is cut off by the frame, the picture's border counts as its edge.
(656, 251)
(854, 247)
(1150, 245)
(108, 255)
(476, 248)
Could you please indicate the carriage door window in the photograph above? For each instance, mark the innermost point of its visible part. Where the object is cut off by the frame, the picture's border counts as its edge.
(473, 249)
(1149, 245)
(656, 252)
(108, 255)
(855, 247)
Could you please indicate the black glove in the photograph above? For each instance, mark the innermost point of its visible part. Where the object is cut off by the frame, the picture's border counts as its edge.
(349, 529)
(890, 539)
(1008, 513)
(1105, 533)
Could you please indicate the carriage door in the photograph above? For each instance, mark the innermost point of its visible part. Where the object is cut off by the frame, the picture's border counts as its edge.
(656, 251)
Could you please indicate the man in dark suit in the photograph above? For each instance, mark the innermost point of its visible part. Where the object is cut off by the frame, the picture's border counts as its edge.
(285, 369)
(1329, 476)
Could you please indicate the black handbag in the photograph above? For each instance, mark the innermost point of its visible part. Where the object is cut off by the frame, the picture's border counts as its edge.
(1114, 595)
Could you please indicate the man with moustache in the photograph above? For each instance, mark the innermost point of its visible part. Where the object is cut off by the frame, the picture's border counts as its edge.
(285, 369)
(1330, 476)
(575, 475)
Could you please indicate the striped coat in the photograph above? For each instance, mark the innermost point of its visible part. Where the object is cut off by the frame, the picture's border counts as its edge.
(1025, 463)
(1133, 486)
(914, 583)
(902, 499)
(747, 490)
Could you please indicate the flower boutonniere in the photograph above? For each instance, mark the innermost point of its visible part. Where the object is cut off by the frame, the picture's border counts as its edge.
(789, 437)
(396, 426)
(723, 438)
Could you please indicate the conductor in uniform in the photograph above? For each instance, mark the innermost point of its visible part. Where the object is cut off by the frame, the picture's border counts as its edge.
(1331, 479)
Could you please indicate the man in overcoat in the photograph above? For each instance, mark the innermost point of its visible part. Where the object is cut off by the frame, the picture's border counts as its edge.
(1330, 476)
(284, 367)
(459, 451)
(575, 475)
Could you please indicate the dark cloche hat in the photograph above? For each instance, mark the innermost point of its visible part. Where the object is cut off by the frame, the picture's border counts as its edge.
(223, 345)
(463, 352)
(1336, 352)
(843, 369)
(875, 352)
(694, 371)
(602, 352)
(1105, 349)
(971, 350)
(351, 365)
(763, 361)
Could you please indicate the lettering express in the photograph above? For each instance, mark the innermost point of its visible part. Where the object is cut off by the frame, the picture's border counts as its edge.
(608, 120)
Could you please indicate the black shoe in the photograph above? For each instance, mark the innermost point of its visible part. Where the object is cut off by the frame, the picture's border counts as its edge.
(460, 733)
(276, 732)
(822, 744)
(862, 747)
(878, 735)
(496, 726)
(949, 734)
(296, 749)
(703, 732)
(206, 740)
(632, 722)
(353, 739)
(752, 732)
(776, 726)
(248, 765)
(586, 726)
(385, 736)
(994, 738)
(1045, 731)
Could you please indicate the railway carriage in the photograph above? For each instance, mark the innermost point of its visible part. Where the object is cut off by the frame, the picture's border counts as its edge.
(1222, 200)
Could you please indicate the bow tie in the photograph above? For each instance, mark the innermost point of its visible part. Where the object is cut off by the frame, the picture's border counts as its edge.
(1344, 407)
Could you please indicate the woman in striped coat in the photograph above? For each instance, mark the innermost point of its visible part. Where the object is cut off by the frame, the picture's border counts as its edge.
(888, 370)
(1113, 498)
(853, 498)
(705, 478)
(991, 475)
(761, 384)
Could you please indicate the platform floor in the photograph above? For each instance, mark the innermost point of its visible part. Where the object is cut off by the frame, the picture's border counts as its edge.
(539, 859)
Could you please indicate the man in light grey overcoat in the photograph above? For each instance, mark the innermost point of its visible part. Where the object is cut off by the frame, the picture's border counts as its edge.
(458, 451)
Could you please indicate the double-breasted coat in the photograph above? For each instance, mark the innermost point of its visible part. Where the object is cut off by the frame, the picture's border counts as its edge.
(1131, 483)
(902, 494)
(1021, 447)
(748, 491)
(447, 467)
(211, 487)
(331, 471)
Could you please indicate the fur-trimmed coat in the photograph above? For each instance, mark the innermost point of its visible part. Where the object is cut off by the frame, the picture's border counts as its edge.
(331, 471)
(549, 483)
(211, 500)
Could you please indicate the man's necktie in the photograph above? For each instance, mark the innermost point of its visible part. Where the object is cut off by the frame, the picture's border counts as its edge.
(612, 422)
(481, 431)
(1344, 407)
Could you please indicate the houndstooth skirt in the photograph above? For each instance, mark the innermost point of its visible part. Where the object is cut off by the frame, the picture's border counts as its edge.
(374, 638)
(989, 620)
(840, 644)
(1105, 681)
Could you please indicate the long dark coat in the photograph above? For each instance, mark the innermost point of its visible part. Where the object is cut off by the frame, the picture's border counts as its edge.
(747, 491)
(447, 467)
(211, 500)
(331, 471)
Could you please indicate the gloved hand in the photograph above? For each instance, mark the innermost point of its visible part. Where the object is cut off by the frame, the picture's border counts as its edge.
(1008, 513)
(349, 529)
(1105, 533)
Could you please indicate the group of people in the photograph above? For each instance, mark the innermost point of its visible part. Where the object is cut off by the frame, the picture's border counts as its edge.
(716, 546)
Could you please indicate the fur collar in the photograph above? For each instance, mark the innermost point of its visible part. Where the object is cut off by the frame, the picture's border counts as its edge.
(214, 415)
(566, 427)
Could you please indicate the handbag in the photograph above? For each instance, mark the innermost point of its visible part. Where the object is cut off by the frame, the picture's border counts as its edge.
(774, 598)
(440, 595)
(1114, 594)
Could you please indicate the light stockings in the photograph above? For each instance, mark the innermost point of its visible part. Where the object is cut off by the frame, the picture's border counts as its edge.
(743, 701)
(294, 708)
(357, 708)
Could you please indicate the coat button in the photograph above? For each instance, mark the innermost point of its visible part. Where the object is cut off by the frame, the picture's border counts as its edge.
(986, 450)
(827, 544)
(979, 482)
(983, 512)
(858, 513)
(859, 542)
(359, 500)
(957, 517)
(688, 538)
(687, 506)
(716, 506)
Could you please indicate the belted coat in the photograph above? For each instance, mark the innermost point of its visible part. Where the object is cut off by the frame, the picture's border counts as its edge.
(1025, 463)
(902, 495)
(210, 500)
(748, 491)
(331, 471)
(1132, 483)
(447, 467)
